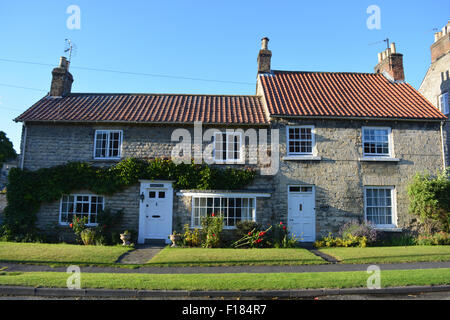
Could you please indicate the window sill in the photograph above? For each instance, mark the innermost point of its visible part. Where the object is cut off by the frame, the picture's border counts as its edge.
(388, 229)
(379, 159)
(301, 158)
(66, 224)
(106, 159)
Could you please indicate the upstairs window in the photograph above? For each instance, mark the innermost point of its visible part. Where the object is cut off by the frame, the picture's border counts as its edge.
(443, 103)
(108, 144)
(376, 142)
(300, 140)
(228, 147)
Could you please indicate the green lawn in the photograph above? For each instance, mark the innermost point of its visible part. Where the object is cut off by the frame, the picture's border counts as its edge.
(57, 254)
(240, 281)
(390, 254)
(229, 257)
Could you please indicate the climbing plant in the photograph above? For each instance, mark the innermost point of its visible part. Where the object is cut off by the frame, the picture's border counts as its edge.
(27, 190)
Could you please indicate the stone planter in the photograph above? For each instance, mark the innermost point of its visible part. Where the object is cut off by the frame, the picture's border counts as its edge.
(174, 238)
(125, 239)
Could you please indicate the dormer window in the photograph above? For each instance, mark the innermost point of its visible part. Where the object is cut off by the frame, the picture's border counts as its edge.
(108, 144)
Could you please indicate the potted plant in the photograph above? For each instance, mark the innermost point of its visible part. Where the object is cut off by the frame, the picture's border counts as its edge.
(125, 237)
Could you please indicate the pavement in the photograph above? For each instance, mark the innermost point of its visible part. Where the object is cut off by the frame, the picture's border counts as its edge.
(140, 255)
(227, 269)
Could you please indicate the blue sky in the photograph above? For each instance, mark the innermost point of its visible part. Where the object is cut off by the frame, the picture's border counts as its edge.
(217, 40)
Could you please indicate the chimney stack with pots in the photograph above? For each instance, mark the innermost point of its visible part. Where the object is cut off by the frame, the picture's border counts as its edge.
(61, 79)
(264, 57)
(441, 45)
(391, 63)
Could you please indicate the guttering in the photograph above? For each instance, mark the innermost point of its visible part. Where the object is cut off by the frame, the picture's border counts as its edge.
(356, 118)
(22, 157)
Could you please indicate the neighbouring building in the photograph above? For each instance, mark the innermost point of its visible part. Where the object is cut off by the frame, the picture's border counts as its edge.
(349, 143)
(436, 84)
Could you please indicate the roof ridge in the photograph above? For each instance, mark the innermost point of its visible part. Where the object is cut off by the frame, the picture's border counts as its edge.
(337, 72)
(160, 94)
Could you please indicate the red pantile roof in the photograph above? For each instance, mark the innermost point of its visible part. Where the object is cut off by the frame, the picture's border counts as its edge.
(335, 94)
(148, 108)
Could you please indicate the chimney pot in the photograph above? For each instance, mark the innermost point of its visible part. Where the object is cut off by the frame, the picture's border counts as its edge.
(393, 47)
(265, 43)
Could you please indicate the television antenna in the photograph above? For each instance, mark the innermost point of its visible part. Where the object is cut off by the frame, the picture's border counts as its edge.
(381, 41)
(71, 48)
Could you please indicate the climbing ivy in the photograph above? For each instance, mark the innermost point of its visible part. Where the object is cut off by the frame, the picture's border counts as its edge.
(27, 190)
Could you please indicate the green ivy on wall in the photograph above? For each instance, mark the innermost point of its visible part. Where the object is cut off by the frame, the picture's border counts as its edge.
(26, 190)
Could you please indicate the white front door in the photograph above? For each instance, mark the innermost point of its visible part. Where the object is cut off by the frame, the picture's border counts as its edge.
(302, 212)
(155, 218)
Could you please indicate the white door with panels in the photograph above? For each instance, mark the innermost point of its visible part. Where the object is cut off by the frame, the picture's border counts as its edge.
(302, 212)
(156, 208)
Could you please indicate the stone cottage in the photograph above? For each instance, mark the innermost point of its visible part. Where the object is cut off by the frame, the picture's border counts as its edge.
(343, 146)
(436, 83)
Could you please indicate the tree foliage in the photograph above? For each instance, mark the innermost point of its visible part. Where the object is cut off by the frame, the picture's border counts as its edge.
(430, 200)
(7, 151)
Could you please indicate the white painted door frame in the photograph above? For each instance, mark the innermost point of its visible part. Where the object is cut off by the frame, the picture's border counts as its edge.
(145, 205)
(304, 228)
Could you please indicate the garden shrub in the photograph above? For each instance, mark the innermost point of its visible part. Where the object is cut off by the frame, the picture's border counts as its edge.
(430, 200)
(439, 238)
(357, 229)
(108, 229)
(281, 238)
(88, 236)
(28, 189)
(246, 226)
(212, 227)
(348, 241)
(191, 238)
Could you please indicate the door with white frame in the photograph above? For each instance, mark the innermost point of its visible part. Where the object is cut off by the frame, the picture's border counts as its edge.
(156, 209)
(302, 212)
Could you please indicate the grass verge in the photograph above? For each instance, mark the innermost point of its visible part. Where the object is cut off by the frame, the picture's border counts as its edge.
(60, 254)
(240, 281)
(182, 257)
(390, 254)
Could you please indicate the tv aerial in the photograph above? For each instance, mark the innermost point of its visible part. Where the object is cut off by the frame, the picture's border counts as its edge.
(381, 41)
(71, 48)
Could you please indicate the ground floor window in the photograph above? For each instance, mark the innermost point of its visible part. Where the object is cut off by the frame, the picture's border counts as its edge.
(379, 206)
(80, 206)
(232, 208)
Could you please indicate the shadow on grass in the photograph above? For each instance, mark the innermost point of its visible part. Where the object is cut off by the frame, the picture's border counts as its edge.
(56, 264)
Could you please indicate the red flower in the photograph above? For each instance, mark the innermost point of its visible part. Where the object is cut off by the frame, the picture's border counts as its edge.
(284, 227)
(71, 225)
(281, 223)
(249, 233)
(213, 215)
(214, 235)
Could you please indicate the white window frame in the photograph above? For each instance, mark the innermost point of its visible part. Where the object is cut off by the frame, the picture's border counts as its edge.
(119, 156)
(313, 142)
(444, 108)
(222, 195)
(227, 160)
(74, 203)
(390, 153)
(393, 207)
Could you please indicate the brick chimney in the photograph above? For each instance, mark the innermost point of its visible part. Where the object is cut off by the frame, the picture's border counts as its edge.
(61, 79)
(390, 63)
(441, 45)
(264, 57)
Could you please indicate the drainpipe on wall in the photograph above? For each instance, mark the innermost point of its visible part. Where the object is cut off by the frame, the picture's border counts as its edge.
(24, 143)
(443, 145)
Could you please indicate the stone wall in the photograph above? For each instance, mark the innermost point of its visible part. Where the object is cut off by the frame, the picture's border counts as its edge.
(339, 178)
(436, 82)
(3, 204)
